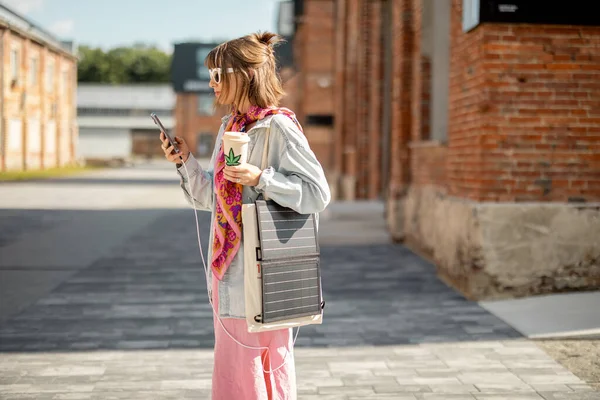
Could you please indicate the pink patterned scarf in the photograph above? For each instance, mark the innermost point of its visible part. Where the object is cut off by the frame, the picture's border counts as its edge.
(228, 216)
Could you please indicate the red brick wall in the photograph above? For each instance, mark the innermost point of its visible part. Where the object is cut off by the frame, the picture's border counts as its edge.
(428, 164)
(415, 75)
(362, 98)
(375, 97)
(427, 159)
(524, 112)
(425, 114)
(314, 81)
(541, 136)
(339, 89)
(349, 118)
(524, 106)
(466, 97)
(402, 95)
(316, 63)
(358, 95)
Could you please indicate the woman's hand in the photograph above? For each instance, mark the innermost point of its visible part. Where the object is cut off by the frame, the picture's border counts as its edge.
(184, 150)
(246, 174)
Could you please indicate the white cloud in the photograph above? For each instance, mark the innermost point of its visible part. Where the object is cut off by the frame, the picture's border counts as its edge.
(24, 6)
(63, 27)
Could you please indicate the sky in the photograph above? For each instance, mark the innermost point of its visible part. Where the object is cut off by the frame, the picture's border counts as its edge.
(112, 23)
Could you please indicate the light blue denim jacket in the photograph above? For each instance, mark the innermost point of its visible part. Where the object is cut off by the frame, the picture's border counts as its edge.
(294, 178)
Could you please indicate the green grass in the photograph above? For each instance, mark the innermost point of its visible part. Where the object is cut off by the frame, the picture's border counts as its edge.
(11, 176)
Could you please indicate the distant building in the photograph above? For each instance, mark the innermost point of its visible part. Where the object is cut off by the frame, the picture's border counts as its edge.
(196, 120)
(38, 77)
(114, 120)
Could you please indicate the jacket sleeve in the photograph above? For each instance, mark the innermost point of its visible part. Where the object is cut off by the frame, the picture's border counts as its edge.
(298, 180)
(201, 181)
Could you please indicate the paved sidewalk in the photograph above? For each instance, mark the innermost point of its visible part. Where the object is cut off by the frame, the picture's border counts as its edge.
(135, 324)
(558, 315)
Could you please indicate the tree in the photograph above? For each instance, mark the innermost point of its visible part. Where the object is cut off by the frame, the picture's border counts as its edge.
(92, 66)
(137, 64)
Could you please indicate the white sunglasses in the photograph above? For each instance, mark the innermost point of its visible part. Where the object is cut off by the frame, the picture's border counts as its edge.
(215, 74)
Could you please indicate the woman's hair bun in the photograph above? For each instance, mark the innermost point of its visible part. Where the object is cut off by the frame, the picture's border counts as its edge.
(269, 39)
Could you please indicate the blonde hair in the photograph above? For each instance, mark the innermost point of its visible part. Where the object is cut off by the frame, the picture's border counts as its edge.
(252, 58)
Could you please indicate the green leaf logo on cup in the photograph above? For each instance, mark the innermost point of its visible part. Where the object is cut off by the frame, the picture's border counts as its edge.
(231, 160)
(235, 147)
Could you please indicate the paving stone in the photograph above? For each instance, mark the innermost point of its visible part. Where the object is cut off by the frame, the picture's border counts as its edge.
(517, 387)
(15, 388)
(437, 396)
(448, 380)
(356, 366)
(405, 388)
(371, 380)
(58, 388)
(550, 379)
(581, 387)
(520, 396)
(353, 390)
(437, 372)
(385, 396)
(72, 396)
(551, 387)
(586, 395)
(497, 378)
(398, 373)
(453, 388)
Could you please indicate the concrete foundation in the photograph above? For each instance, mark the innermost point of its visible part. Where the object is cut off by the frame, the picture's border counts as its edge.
(502, 250)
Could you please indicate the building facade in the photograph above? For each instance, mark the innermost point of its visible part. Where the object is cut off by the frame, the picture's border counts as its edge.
(478, 123)
(38, 78)
(197, 119)
(114, 120)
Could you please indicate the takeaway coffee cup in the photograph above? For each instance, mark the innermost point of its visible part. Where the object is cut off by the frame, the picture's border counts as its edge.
(235, 147)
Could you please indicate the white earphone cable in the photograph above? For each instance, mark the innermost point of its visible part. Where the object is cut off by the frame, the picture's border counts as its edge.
(208, 289)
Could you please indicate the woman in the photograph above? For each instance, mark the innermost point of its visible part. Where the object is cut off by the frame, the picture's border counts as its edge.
(244, 77)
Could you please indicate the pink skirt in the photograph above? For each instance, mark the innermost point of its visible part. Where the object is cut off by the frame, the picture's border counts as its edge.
(238, 371)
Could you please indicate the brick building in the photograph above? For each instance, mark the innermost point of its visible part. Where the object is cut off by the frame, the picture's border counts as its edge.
(478, 122)
(38, 78)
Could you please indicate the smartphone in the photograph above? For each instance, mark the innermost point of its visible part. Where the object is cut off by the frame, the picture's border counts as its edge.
(163, 130)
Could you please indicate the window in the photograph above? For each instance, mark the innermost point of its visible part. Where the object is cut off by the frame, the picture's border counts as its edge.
(206, 104)
(319, 120)
(470, 17)
(64, 84)
(14, 64)
(50, 76)
(34, 71)
(285, 22)
(201, 70)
